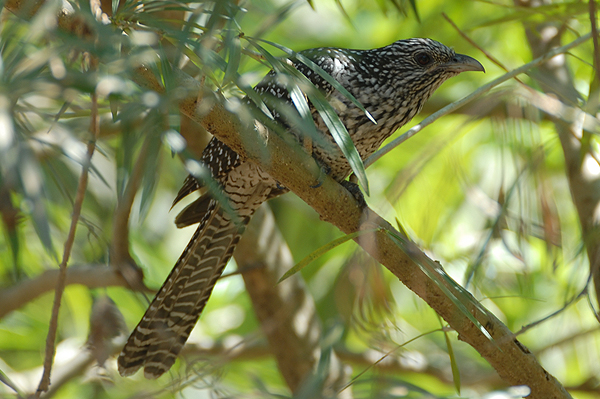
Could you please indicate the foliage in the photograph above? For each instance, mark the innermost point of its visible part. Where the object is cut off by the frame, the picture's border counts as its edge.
(484, 191)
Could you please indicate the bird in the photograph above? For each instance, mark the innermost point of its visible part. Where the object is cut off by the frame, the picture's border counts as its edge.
(392, 83)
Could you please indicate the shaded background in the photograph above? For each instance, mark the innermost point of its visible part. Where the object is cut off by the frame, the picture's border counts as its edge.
(484, 191)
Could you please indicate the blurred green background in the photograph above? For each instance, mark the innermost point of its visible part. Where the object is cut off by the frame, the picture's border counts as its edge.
(482, 190)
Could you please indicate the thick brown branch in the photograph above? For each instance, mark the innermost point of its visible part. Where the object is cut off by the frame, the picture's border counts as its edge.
(119, 249)
(92, 276)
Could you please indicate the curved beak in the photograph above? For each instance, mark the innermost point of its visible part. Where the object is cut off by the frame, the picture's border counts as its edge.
(462, 63)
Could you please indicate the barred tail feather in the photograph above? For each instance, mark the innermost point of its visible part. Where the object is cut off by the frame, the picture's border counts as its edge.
(166, 325)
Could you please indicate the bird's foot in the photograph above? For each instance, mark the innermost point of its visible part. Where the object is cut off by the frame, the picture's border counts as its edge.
(325, 170)
(280, 186)
(354, 189)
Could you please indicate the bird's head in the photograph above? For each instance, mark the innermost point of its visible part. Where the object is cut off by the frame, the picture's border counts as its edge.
(429, 56)
(422, 64)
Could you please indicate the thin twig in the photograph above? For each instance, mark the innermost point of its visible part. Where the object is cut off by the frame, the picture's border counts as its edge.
(592, 7)
(476, 94)
(477, 46)
(385, 355)
(60, 283)
(592, 104)
(572, 301)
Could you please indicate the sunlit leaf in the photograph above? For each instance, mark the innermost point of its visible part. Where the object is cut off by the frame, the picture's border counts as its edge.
(233, 49)
(321, 251)
(7, 381)
(453, 363)
(296, 95)
(152, 156)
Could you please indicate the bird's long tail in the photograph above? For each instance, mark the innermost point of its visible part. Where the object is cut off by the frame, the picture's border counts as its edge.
(166, 325)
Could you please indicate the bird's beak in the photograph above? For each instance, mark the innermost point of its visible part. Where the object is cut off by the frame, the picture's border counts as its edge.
(462, 63)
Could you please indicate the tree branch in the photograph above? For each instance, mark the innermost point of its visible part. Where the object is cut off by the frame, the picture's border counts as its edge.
(119, 249)
(92, 276)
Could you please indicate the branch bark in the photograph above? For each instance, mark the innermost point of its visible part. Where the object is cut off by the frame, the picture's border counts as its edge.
(92, 276)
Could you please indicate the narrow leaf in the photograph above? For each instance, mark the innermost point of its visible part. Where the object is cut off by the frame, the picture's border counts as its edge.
(413, 5)
(149, 177)
(32, 182)
(115, 6)
(234, 50)
(8, 382)
(321, 251)
(207, 180)
(343, 11)
(341, 136)
(453, 364)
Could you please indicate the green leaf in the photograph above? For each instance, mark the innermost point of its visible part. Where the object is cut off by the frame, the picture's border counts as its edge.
(453, 364)
(343, 11)
(341, 137)
(233, 48)
(8, 382)
(279, 16)
(321, 251)
(296, 95)
(114, 103)
(206, 180)
(559, 12)
(413, 5)
(32, 182)
(152, 159)
(115, 6)
(356, 377)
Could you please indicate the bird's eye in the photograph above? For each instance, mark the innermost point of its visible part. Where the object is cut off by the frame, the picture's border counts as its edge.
(423, 58)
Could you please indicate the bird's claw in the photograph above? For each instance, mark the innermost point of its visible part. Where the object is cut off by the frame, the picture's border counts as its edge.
(354, 189)
(324, 171)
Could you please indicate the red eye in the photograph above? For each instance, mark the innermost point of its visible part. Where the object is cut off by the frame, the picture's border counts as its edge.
(423, 59)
